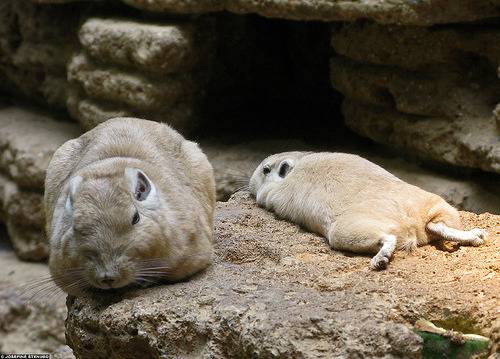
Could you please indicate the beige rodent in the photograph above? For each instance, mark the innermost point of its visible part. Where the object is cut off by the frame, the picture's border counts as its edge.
(357, 205)
(129, 202)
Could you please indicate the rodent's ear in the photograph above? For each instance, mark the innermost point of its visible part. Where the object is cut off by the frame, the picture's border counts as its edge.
(285, 167)
(140, 185)
(74, 184)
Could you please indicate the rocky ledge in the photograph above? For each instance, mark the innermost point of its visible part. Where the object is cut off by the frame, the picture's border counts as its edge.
(277, 291)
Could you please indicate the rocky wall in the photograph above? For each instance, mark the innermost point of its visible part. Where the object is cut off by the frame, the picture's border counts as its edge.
(36, 43)
(431, 92)
(153, 70)
(28, 139)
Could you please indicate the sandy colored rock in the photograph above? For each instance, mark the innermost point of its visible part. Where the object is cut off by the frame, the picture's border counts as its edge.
(28, 140)
(429, 92)
(277, 291)
(22, 213)
(35, 44)
(148, 47)
(394, 12)
(415, 47)
(129, 88)
(30, 322)
(462, 142)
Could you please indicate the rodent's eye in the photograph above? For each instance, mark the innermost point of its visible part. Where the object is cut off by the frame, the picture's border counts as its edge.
(136, 218)
(266, 170)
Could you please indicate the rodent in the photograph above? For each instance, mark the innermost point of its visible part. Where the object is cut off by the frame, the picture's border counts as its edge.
(357, 205)
(128, 202)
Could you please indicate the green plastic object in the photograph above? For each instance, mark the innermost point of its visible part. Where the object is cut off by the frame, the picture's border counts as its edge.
(440, 343)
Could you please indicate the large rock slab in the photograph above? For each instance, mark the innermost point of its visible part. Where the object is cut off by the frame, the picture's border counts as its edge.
(30, 322)
(388, 12)
(277, 291)
(28, 139)
(143, 69)
(429, 92)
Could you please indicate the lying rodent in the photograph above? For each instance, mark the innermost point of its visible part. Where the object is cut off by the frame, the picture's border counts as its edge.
(357, 205)
(129, 202)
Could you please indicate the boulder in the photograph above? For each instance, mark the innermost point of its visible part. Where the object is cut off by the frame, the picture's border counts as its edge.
(277, 291)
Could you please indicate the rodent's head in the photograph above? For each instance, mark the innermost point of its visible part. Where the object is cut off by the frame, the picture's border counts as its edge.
(273, 169)
(117, 232)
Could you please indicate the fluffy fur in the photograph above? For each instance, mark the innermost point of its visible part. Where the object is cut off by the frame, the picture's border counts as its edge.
(357, 205)
(130, 201)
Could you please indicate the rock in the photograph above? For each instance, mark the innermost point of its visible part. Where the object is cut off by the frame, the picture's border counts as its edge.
(429, 92)
(34, 52)
(22, 213)
(277, 291)
(29, 321)
(462, 143)
(133, 90)
(147, 70)
(146, 47)
(394, 12)
(415, 47)
(28, 140)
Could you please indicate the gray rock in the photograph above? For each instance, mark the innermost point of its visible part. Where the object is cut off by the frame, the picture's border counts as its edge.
(429, 92)
(131, 89)
(31, 315)
(35, 44)
(28, 140)
(146, 47)
(414, 12)
(276, 291)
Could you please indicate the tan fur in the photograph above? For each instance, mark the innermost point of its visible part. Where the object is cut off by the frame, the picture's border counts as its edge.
(91, 232)
(357, 205)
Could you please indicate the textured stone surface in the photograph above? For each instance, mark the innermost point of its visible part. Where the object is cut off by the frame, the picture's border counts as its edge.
(22, 213)
(148, 70)
(148, 47)
(131, 89)
(430, 92)
(425, 12)
(276, 291)
(30, 322)
(35, 44)
(28, 140)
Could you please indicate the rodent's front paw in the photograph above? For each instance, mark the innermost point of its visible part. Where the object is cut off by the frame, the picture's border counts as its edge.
(478, 236)
(379, 262)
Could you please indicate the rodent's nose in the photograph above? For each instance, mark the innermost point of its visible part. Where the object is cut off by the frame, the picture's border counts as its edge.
(108, 280)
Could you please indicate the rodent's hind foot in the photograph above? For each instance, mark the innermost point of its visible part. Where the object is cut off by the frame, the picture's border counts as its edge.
(478, 237)
(379, 262)
(382, 258)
